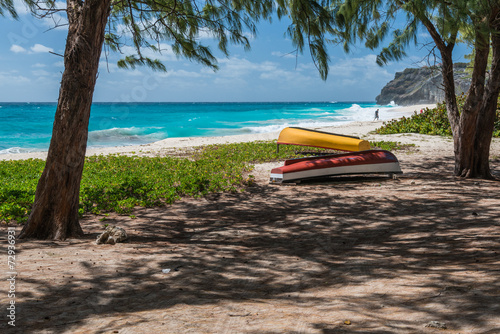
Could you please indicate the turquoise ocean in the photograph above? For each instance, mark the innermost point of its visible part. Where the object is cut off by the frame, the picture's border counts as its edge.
(27, 127)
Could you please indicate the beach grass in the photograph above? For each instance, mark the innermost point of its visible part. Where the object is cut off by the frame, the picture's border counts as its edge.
(119, 183)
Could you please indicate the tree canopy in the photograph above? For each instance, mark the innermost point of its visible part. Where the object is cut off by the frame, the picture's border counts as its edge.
(146, 24)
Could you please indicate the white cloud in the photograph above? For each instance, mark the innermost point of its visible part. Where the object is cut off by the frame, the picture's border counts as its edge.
(21, 8)
(243, 69)
(207, 34)
(38, 65)
(9, 79)
(108, 66)
(55, 21)
(39, 48)
(181, 74)
(17, 48)
(165, 54)
(284, 55)
(133, 73)
(60, 4)
(239, 67)
(363, 69)
(41, 73)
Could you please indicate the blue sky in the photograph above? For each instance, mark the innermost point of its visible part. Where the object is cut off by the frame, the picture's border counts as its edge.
(30, 73)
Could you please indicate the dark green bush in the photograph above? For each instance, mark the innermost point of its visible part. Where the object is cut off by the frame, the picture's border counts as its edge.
(429, 122)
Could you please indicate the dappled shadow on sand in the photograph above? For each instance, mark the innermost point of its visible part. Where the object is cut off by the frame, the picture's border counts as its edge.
(353, 255)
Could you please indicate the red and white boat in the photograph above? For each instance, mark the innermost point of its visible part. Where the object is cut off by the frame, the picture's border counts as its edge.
(363, 162)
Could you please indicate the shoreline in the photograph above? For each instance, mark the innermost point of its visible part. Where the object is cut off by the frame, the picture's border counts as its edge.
(359, 129)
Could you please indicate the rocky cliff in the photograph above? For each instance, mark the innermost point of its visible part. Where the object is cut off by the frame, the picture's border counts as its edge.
(421, 86)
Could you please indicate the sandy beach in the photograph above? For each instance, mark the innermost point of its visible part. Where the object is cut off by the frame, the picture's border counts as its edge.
(416, 254)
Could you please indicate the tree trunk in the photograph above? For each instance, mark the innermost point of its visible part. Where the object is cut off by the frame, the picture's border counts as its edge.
(449, 94)
(55, 211)
(472, 127)
(478, 115)
(486, 119)
(467, 126)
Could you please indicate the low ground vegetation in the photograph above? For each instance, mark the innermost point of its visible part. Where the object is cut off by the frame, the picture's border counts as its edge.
(118, 183)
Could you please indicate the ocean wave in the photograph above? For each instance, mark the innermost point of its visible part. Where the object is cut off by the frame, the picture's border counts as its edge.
(357, 113)
(353, 113)
(340, 118)
(132, 135)
(265, 129)
(311, 111)
(355, 107)
(279, 127)
(15, 150)
(323, 113)
(240, 124)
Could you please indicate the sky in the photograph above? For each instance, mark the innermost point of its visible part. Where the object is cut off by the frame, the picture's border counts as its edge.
(31, 68)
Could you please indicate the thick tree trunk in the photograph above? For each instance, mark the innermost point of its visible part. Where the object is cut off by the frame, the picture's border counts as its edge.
(472, 127)
(467, 126)
(55, 211)
(486, 118)
(478, 115)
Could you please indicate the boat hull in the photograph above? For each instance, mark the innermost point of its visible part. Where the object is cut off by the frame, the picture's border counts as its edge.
(313, 138)
(364, 162)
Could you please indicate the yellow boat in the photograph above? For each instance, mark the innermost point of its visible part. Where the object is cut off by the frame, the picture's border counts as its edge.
(313, 138)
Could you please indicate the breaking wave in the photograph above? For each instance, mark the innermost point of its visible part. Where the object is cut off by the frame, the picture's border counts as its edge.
(126, 136)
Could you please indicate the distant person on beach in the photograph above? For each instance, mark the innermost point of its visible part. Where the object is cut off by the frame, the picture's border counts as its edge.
(376, 115)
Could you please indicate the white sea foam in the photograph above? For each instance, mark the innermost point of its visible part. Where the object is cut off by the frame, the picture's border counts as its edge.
(265, 129)
(355, 108)
(15, 150)
(279, 127)
(126, 135)
(322, 113)
(353, 113)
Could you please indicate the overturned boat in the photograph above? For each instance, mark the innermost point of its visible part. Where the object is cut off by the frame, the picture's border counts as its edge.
(321, 139)
(363, 162)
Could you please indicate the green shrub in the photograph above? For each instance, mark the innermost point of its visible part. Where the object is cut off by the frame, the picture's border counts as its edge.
(390, 145)
(430, 122)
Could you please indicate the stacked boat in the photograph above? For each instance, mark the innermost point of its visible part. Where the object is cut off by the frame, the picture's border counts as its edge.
(360, 159)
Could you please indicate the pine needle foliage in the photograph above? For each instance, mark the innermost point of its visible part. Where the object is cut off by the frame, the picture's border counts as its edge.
(142, 30)
(147, 25)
